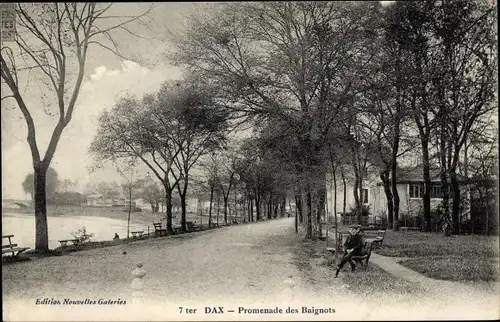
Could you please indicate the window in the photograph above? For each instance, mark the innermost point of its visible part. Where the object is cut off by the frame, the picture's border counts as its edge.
(416, 190)
(436, 191)
(364, 195)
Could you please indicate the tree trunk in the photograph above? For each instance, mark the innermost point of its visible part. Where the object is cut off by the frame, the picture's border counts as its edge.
(270, 206)
(168, 206)
(218, 208)
(309, 232)
(235, 206)
(427, 183)
(182, 194)
(183, 212)
(225, 199)
(41, 227)
(283, 207)
(257, 205)
(355, 192)
(321, 209)
(455, 212)
(395, 143)
(210, 207)
(299, 206)
(386, 183)
(395, 195)
(251, 210)
(344, 184)
(335, 198)
(361, 199)
(296, 215)
(129, 209)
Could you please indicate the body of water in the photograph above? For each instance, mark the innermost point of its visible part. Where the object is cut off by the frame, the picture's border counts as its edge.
(22, 226)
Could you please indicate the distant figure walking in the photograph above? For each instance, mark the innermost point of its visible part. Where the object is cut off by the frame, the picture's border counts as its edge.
(116, 237)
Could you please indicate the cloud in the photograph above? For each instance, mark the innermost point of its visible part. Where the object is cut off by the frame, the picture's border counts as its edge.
(98, 73)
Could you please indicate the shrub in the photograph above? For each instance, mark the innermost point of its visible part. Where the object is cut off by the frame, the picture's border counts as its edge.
(365, 210)
(82, 235)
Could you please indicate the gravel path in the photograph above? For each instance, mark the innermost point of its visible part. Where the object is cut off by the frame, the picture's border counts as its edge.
(250, 266)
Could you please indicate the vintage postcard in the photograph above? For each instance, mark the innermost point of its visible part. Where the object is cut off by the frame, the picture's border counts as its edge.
(312, 160)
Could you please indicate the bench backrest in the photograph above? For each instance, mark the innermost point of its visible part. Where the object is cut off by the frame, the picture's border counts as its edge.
(10, 242)
(368, 247)
(9, 246)
(157, 225)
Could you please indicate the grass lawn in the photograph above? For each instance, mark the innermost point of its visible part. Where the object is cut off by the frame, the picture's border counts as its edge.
(372, 279)
(456, 258)
(318, 267)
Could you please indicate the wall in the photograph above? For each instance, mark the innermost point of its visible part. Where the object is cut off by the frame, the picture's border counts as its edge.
(374, 196)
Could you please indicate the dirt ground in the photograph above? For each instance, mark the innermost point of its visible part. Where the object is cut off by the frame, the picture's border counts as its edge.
(242, 267)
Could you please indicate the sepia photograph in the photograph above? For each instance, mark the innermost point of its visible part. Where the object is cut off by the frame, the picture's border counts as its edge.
(250, 161)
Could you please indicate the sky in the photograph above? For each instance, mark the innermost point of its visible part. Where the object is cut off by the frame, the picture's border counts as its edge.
(107, 78)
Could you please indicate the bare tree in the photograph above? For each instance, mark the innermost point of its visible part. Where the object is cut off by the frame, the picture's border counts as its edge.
(128, 171)
(141, 129)
(463, 85)
(52, 42)
(227, 175)
(290, 61)
(211, 169)
(200, 128)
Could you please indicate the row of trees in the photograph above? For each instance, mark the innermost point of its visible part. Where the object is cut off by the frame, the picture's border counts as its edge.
(167, 131)
(326, 84)
(67, 192)
(329, 88)
(353, 85)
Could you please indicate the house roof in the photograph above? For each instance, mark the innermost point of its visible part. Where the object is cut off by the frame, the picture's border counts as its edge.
(95, 196)
(415, 174)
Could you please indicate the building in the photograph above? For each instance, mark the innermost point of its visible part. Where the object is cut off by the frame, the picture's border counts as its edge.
(410, 185)
(123, 203)
(98, 200)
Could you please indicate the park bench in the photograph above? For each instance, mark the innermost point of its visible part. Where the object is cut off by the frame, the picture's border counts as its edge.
(159, 231)
(410, 228)
(12, 248)
(366, 255)
(340, 237)
(136, 234)
(379, 239)
(190, 226)
(65, 242)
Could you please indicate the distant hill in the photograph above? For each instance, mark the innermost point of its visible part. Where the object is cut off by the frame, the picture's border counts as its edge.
(15, 204)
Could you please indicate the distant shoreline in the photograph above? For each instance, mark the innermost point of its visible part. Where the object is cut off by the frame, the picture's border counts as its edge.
(107, 212)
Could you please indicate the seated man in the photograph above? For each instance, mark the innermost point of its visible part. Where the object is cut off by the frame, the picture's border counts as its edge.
(353, 246)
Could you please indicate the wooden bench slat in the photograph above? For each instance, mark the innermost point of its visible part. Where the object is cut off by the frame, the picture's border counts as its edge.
(159, 231)
(15, 249)
(12, 247)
